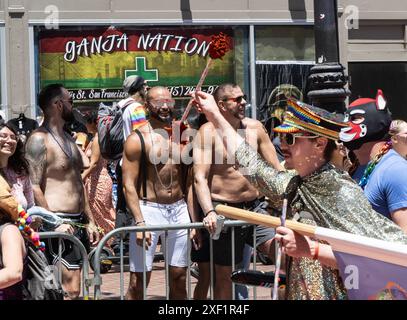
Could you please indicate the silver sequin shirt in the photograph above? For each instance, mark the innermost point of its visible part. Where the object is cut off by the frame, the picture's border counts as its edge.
(335, 201)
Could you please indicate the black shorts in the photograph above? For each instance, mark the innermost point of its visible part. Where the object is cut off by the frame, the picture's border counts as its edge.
(71, 256)
(201, 255)
(222, 248)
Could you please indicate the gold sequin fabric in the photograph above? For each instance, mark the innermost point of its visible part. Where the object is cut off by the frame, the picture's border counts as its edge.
(334, 201)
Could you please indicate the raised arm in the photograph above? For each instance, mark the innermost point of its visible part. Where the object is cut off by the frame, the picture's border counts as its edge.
(36, 154)
(268, 180)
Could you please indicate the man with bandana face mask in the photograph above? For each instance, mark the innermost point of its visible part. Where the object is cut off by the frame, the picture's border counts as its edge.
(154, 194)
(382, 172)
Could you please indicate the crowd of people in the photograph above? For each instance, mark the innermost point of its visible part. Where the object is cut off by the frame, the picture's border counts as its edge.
(351, 170)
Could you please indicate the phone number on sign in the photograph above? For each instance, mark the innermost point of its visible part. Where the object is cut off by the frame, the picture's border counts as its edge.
(185, 91)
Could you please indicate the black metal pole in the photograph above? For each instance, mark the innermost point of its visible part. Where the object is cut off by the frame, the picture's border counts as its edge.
(326, 31)
(327, 79)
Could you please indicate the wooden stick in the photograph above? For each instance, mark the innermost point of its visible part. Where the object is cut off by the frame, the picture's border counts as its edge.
(198, 88)
(265, 220)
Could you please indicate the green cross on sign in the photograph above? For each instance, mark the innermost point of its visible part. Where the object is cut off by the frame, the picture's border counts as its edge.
(147, 74)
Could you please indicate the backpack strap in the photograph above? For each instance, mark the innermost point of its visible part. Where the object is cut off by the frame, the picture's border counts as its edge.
(143, 164)
(128, 103)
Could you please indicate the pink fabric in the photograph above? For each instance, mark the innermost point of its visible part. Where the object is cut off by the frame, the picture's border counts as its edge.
(99, 188)
(21, 188)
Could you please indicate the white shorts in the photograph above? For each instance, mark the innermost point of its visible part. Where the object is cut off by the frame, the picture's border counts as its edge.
(162, 214)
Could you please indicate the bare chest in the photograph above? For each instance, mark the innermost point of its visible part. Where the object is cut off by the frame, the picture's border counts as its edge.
(222, 157)
(63, 157)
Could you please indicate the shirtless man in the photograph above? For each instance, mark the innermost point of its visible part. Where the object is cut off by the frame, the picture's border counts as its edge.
(164, 202)
(218, 181)
(55, 171)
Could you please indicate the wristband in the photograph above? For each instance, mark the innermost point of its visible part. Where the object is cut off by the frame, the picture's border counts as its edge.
(212, 210)
(139, 222)
(316, 250)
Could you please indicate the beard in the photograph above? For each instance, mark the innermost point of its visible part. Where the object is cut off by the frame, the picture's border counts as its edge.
(167, 119)
(238, 115)
(67, 115)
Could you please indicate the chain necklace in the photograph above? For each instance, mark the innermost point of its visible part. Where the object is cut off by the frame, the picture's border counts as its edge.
(169, 187)
(68, 154)
(372, 164)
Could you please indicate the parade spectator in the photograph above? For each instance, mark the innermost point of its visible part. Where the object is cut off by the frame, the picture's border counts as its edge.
(218, 181)
(55, 165)
(341, 158)
(398, 133)
(322, 195)
(385, 173)
(369, 122)
(154, 195)
(12, 247)
(14, 166)
(134, 116)
(98, 183)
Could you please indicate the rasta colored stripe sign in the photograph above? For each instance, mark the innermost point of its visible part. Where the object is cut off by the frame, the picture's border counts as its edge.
(92, 63)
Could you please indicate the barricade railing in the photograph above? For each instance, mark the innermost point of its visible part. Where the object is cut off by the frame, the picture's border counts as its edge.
(123, 231)
(86, 282)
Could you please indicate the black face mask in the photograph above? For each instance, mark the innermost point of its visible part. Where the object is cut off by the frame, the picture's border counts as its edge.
(374, 127)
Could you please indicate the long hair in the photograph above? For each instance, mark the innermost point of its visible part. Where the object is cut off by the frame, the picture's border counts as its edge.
(17, 161)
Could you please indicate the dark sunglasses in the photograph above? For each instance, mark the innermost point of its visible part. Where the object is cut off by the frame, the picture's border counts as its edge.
(237, 99)
(289, 138)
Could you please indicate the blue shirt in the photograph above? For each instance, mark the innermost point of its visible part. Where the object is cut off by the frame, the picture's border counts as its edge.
(386, 188)
(358, 174)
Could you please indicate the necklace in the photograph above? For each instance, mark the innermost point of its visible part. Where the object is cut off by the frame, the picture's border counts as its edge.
(372, 164)
(68, 154)
(169, 187)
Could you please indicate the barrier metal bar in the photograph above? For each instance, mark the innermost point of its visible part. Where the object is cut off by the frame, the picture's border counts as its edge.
(167, 270)
(60, 260)
(189, 264)
(233, 261)
(211, 271)
(97, 281)
(254, 258)
(85, 261)
(121, 268)
(144, 267)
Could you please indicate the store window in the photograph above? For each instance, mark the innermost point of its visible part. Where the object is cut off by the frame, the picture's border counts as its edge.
(285, 43)
(367, 77)
(92, 62)
(284, 57)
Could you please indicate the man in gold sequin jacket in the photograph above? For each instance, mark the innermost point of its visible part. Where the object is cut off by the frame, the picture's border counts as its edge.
(324, 196)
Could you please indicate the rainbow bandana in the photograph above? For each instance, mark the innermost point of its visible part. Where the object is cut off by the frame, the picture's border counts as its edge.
(303, 117)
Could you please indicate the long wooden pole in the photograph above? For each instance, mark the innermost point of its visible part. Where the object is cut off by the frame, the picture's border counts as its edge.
(268, 221)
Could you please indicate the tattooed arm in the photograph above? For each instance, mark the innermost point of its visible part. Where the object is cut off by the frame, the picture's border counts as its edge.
(36, 155)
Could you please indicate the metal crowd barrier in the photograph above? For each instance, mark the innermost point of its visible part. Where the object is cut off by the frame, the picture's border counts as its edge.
(86, 281)
(97, 280)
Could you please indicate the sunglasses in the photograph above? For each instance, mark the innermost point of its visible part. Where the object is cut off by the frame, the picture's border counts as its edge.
(289, 138)
(237, 99)
(160, 103)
